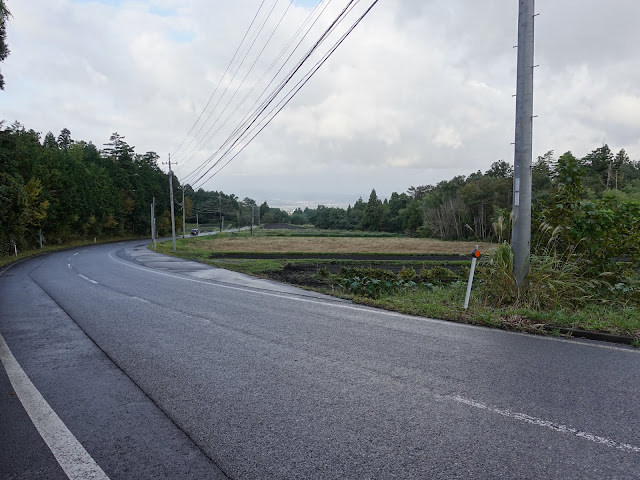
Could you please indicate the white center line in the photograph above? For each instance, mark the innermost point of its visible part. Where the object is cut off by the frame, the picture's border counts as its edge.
(88, 279)
(70, 454)
(548, 424)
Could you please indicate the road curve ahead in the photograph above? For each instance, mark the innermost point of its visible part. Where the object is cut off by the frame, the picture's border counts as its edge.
(161, 368)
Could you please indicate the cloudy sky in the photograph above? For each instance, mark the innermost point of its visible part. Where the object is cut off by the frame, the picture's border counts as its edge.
(420, 92)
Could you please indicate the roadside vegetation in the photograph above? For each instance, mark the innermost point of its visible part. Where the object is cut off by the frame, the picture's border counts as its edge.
(421, 281)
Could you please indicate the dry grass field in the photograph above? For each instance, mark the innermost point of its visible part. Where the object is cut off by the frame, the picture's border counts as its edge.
(345, 245)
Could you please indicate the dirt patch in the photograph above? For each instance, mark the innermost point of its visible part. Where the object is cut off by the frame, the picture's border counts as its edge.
(344, 245)
(338, 256)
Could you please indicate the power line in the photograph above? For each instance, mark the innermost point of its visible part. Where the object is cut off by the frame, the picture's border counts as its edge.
(283, 103)
(221, 78)
(347, 9)
(326, 3)
(241, 82)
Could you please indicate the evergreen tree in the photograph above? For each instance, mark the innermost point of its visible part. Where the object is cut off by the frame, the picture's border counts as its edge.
(4, 49)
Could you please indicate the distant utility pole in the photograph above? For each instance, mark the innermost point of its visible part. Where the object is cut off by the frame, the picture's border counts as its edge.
(173, 217)
(183, 213)
(153, 223)
(220, 208)
(521, 231)
(253, 209)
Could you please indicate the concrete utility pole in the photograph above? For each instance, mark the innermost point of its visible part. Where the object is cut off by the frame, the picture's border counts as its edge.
(173, 217)
(521, 234)
(183, 213)
(253, 209)
(220, 208)
(153, 223)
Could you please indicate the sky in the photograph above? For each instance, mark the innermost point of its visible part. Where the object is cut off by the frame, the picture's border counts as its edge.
(421, 91)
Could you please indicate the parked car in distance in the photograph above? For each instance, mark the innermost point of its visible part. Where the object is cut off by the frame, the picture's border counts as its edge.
(195, 232)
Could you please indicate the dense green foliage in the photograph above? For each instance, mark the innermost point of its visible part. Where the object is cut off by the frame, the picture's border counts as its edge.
(4, 49)
(61, 190)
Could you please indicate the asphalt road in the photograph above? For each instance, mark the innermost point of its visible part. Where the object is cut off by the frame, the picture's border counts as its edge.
(162, 368)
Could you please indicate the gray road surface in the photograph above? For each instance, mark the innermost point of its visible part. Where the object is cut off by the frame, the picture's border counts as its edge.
(169, 369)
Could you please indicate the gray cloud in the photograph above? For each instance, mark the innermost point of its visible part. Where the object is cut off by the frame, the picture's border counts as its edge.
(420, 92)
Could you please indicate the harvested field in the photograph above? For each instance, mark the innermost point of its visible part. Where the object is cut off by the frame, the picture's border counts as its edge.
(324, 245)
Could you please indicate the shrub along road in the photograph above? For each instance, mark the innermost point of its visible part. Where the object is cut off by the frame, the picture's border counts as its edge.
(163, 368)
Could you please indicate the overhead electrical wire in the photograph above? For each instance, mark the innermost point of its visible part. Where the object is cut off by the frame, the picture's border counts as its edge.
(283, 83)
(215, 122)
(250, 111)
(255, 121)
(246, 54)
(282, 104)
(221, 78)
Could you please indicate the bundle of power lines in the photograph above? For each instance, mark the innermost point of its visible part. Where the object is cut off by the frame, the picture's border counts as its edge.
(227, 125)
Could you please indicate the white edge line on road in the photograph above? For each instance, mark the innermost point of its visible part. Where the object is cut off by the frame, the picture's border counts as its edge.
(88, 279)
(361, 309)
(70, 454)
(547, 424)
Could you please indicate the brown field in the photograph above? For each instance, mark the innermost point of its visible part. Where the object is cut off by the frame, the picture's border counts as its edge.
(419, 246)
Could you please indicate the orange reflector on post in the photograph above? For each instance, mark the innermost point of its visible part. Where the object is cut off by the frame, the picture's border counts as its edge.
(476, 253)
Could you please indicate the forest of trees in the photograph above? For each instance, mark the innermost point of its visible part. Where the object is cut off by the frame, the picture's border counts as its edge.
(56, 189)
(478, 206)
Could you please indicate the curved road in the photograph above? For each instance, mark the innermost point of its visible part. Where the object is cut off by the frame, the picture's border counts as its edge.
(161, 368)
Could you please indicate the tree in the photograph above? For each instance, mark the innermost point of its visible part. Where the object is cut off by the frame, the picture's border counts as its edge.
(117, 148)
(372, 218)
(418, 193)
(500, 169)
(50, 141)
(64, 139)
(264, 209)
(4, 50)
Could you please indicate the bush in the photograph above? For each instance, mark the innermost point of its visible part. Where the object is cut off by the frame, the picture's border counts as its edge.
(376, 273)
(436, 274)
(407, 274)
(324, 272)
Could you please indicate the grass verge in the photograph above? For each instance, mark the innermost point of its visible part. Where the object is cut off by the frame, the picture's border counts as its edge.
(429, 298)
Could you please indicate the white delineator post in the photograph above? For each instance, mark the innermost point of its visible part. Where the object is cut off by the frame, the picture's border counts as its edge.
(476, 254)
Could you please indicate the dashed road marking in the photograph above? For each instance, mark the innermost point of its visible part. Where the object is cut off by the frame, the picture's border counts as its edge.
(140, 299)
(88, 279)
(548, 424)
(70, 454)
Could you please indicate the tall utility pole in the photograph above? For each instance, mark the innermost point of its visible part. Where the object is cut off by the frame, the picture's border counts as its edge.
(220, 208)
(173, 216)
(521, 232)
(253, 209)
(183, 213)
(153, 222)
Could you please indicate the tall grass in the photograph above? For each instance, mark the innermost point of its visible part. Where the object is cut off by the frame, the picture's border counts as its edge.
(553, 283)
